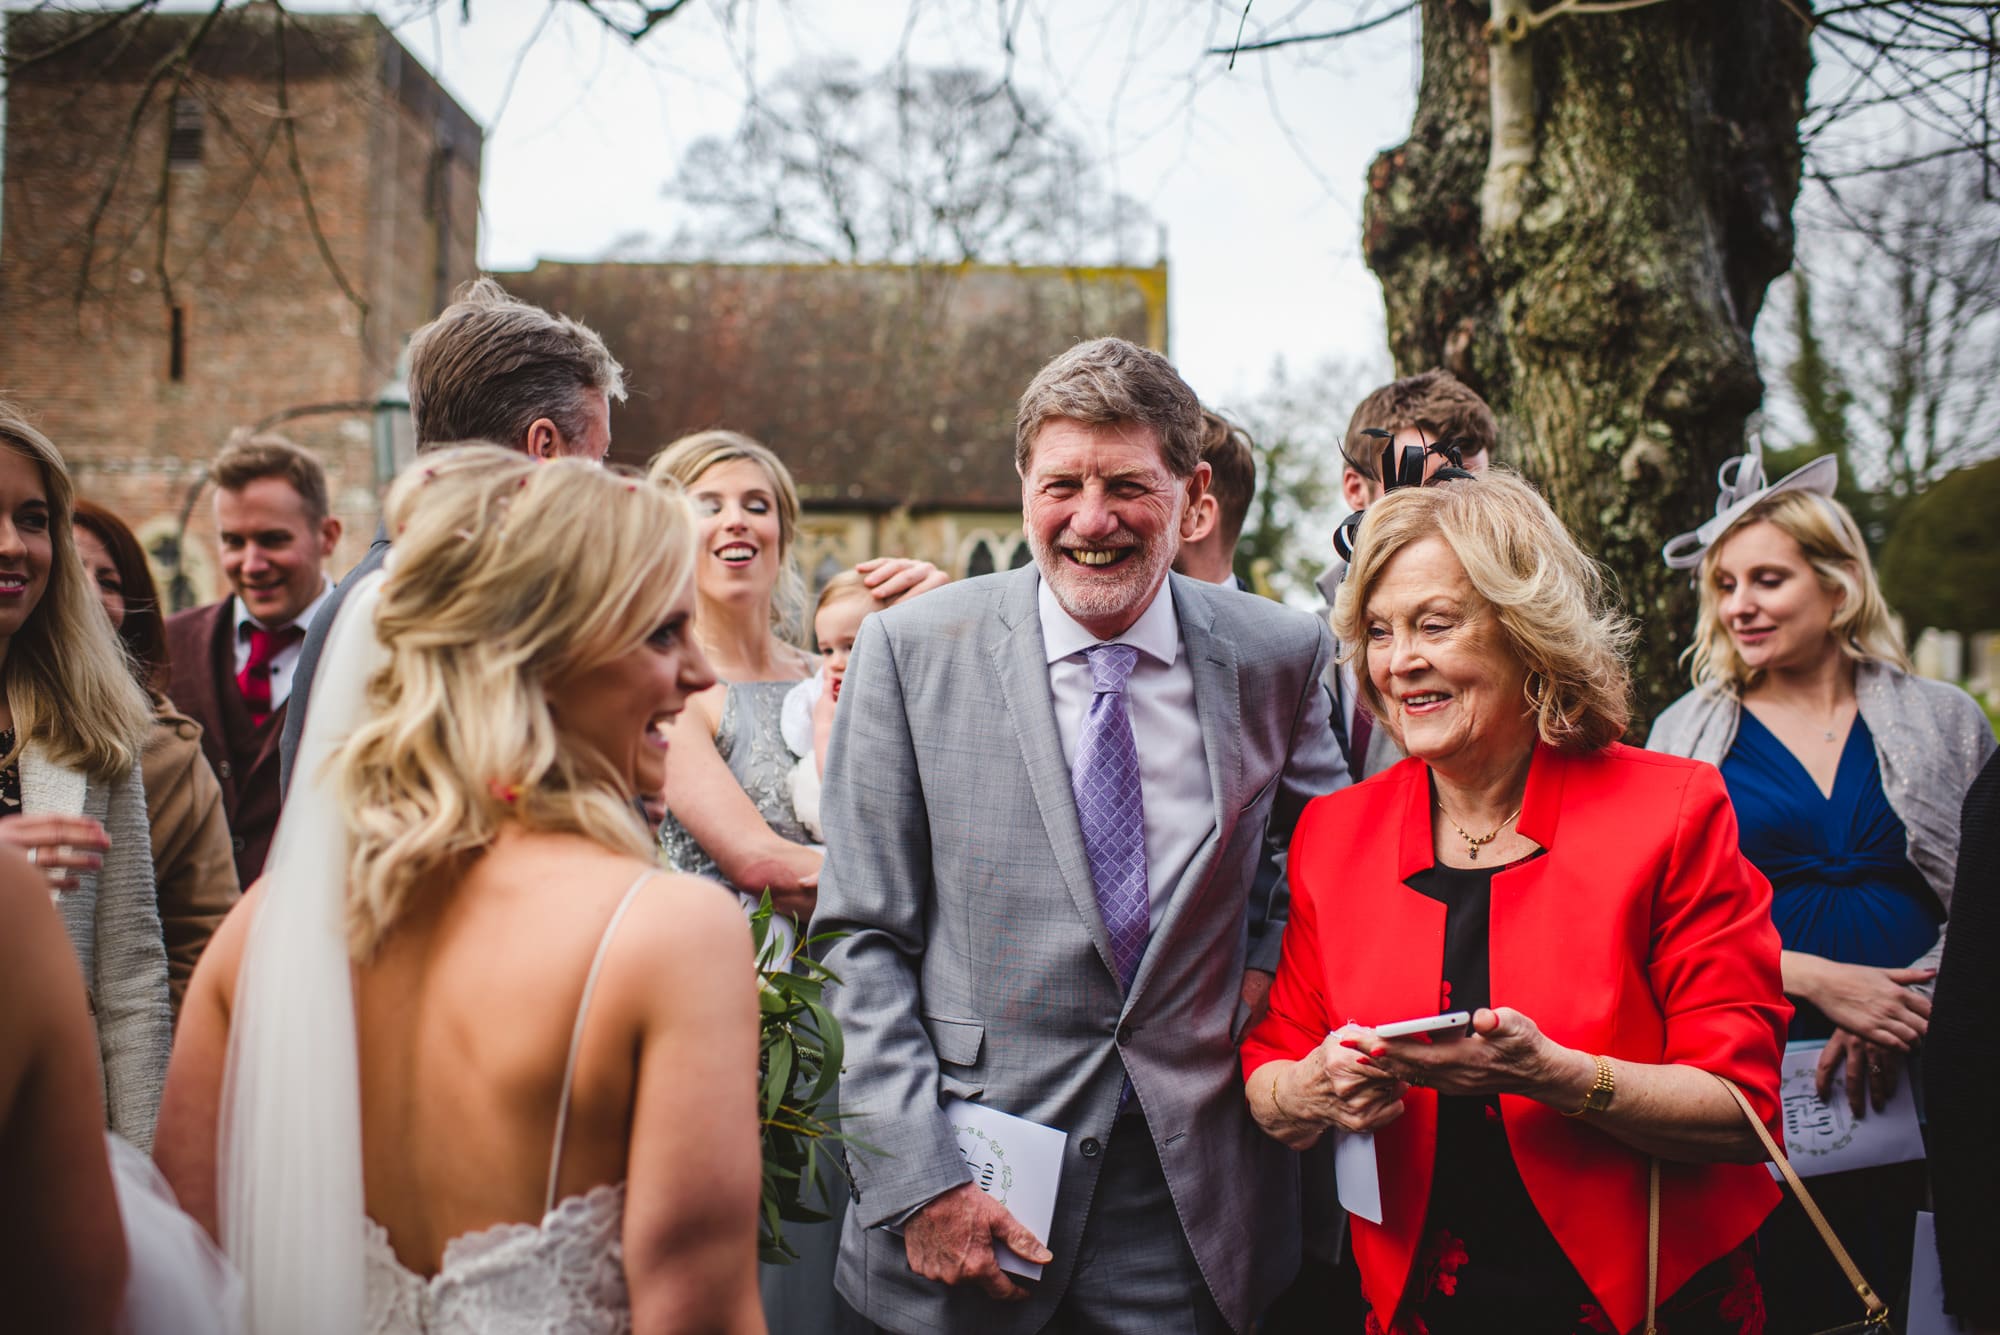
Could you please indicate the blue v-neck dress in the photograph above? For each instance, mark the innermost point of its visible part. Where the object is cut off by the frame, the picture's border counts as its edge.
(1842, 884)
(1842, 888)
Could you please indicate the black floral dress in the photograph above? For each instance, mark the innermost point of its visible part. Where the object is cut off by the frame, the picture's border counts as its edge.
(1487, 1262)
(10, 777)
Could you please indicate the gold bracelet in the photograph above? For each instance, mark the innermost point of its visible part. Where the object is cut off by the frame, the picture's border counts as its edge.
(1601, 1089)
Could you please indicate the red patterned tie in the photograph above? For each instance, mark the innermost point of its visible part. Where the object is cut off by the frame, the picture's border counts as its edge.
(255, 678)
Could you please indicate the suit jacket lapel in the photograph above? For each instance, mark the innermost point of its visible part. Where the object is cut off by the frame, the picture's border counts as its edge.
(1218, 705)
(1020, 659)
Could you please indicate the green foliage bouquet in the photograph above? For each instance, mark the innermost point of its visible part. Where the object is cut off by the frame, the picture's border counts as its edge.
(798, 1067)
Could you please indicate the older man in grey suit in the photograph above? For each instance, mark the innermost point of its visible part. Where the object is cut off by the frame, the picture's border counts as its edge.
(1045, 799)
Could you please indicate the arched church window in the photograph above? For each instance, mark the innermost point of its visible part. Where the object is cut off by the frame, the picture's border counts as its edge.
(980, 561)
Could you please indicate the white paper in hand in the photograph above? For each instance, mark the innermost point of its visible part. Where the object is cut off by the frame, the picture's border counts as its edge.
(1356, 1175)
(1016, 1162)
(1827, 1137)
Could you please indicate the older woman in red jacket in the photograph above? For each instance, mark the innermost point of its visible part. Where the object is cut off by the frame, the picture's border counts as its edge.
(1584, 900)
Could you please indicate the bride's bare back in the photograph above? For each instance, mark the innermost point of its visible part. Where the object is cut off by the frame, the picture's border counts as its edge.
(464, 1018)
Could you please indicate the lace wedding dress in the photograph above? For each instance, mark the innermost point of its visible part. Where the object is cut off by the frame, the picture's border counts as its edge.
(293, 1210)
(565, 1274)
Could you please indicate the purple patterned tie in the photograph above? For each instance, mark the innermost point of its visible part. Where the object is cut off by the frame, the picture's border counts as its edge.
(1111, 809)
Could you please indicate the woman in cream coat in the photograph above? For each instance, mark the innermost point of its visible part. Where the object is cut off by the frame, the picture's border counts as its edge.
(72, 724)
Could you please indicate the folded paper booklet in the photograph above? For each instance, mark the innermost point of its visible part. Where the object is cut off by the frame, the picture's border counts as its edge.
(1357, 1178)
(1827, 1137)
(1016, 1162)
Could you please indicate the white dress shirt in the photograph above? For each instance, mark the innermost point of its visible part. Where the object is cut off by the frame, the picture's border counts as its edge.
(1159, 697)
(287, 658)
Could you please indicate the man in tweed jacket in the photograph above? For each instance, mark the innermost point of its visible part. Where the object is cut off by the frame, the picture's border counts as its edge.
(974, 888)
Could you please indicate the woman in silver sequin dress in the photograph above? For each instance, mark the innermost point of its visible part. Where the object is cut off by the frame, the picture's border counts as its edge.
(728, 795)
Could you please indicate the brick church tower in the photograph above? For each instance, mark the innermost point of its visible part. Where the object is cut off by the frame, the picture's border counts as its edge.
(218, 220)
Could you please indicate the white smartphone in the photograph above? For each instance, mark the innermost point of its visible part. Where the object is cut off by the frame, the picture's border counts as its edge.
(1430, 1024)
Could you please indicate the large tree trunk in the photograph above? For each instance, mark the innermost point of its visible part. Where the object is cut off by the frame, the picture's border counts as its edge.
(1598, 277)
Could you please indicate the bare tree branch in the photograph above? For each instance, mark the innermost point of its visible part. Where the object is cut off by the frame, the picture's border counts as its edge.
(632, 30)
(85, 32)
(174, 60)
(297, 167)
(916, 166)
(1294, 39)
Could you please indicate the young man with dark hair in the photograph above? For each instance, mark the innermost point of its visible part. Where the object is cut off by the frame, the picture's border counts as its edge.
(233, 662)
(1209, 552)
(1419, 410)
(1422, 409)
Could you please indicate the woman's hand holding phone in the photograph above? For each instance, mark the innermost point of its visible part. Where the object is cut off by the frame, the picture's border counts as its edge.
(1505, 1053)
(1338, 1086)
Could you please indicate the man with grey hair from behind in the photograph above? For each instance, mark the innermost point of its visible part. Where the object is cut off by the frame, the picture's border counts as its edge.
(1040, 906)
(490, 368)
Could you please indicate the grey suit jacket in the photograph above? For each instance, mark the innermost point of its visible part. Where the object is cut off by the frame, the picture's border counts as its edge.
(975, 961)
(315, 644)
(113, 920)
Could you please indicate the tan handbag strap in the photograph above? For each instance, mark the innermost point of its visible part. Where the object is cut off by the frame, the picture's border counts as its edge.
(1878, 1311)
(1652, 1245)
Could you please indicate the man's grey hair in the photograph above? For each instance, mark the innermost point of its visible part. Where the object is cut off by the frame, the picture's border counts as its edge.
(491, 365)
(1110, 382)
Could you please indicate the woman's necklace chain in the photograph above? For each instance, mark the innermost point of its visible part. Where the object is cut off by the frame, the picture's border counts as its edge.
(1474, 844)
(1812, 717)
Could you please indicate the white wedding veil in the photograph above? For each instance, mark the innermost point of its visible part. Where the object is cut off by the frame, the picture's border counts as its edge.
(289, 1152)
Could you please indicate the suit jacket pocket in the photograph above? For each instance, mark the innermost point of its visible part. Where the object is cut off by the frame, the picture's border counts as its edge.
(955, 1041)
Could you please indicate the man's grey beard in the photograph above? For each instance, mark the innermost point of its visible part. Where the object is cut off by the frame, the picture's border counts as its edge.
(1139, 576)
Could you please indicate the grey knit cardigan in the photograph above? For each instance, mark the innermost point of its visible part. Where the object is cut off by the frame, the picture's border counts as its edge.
(113, 918)
(1931, 739)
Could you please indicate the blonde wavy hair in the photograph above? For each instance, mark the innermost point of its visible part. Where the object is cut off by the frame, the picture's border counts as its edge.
(69, 685)
(688, 458)
(1863, 626)
(1551, 602)
(508, 577)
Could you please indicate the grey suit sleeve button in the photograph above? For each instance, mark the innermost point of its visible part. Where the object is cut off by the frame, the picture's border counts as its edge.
(1124, 1033)
(1090, 1149)
(225, 769)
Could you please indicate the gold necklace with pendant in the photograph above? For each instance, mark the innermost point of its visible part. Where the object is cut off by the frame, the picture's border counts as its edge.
(1472, 844)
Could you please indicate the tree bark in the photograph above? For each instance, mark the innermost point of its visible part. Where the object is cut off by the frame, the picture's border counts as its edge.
(1599, 289)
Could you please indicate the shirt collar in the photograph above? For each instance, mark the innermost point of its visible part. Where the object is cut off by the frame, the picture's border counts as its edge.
(245, 623)
(1156, 634)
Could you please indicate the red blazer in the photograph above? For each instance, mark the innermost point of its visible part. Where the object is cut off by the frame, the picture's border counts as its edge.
(1642, 933)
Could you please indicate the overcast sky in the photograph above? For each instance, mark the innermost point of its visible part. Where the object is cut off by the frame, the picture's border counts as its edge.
(1255, 174)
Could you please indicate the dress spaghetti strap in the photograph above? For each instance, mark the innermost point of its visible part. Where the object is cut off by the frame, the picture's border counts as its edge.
(576, 1034)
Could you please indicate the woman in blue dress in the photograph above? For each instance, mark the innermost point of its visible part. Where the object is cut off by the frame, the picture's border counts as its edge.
(1847, 772)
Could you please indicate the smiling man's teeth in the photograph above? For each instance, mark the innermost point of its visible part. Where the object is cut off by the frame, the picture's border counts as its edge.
(1090, 557)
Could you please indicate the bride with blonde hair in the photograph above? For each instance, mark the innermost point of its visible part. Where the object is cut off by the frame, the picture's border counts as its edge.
(464, 1059)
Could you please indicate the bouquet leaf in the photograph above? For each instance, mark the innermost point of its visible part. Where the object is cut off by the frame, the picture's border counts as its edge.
(799, 1055)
